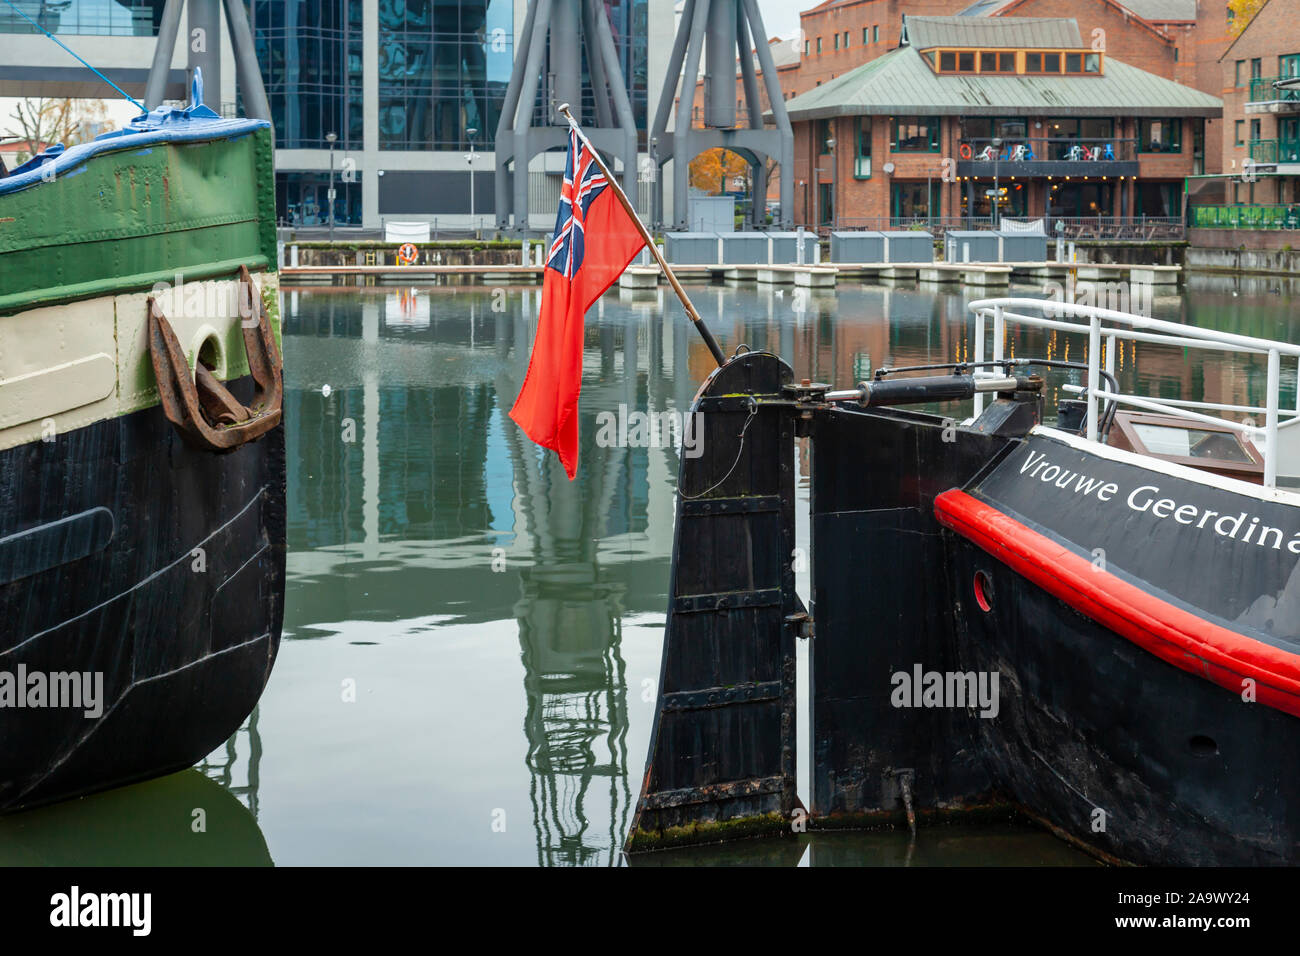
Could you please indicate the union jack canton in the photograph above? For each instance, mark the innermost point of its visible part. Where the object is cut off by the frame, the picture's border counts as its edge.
(583, 182)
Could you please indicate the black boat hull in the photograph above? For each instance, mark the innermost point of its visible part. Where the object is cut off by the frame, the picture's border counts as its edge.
(1128, 755)
(1113, 642)
(131, 558)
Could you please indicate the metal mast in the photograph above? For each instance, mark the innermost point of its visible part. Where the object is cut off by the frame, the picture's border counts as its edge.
(723, 28)
(205, 53)
(565, 28)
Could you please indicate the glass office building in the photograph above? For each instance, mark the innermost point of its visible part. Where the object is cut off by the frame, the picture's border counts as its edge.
(125, 18)
(311, 58)
(443, 69)
(400, 85)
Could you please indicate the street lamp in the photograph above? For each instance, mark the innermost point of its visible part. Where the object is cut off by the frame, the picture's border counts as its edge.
(997, 196)
(471, 132)
(331, 138)
(654, 184)
(835, 209)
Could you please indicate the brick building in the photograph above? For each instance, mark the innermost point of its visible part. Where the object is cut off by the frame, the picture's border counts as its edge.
(1261, 121)
(965, 106)
(1175, 39)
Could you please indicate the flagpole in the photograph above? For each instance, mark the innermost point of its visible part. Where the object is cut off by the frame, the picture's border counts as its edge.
(691, 313)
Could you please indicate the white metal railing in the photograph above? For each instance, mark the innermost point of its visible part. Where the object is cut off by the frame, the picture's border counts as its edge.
(1111, 326)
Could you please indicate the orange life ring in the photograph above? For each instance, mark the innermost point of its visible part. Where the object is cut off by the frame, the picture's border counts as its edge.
(964, 151)
(407, 254)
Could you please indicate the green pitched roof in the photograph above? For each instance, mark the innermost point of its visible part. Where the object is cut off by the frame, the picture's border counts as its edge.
(902, 81)
(925, 33)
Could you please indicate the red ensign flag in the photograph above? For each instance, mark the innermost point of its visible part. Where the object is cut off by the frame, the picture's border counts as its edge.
(594, 241)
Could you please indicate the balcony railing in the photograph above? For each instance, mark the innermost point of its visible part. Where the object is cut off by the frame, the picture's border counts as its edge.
(1263, 91)
(1132, 228)
(1275, 150)
(1246, 216)
(1047, 149)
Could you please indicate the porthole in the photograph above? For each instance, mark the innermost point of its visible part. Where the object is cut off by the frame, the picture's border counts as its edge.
(983, 591)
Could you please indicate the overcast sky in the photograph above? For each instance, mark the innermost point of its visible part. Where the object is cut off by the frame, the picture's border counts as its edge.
(781, 17)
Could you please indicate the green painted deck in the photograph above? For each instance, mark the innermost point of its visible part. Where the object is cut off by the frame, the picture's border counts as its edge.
(128, 219)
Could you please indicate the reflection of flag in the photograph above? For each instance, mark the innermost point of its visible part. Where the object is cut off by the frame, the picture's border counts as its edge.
(595, 239)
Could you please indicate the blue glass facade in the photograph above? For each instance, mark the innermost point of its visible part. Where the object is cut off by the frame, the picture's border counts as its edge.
(310, 52)
(302, 198)
(443, 68)
(85, 17)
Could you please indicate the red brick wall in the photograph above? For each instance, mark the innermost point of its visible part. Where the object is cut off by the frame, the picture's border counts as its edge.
(1126, 38)
(870, 198)
(1274, 31)
(826, 22)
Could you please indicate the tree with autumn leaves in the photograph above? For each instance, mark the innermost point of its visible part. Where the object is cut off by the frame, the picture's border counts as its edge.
(713, 170)
(1240, 13)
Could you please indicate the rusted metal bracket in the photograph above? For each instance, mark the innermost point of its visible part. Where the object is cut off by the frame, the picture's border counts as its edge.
(200, 406)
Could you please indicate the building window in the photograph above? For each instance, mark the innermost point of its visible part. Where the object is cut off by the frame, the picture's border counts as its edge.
(1239, 74)
(1160, 136)
(441, 75)
(966, 62)
(310, 54)
(1092, 63)
(875, 34)
(824, 133)
(988, 62)
(1051, 63)
(1006, 63)
(846, 39)
(1033, 63)
(1074, 63)
(825, 204)
(1254, 129)
(862, 137)
(1158, 199)
(1256, 68)
(85, 18)
(819, 45)
(836, 43)
(1239, 131)
(1175, 54)
(914, 134)
(302, 198)
(947, 60)
(914, 200)
(865, 34)
(1288, 65)
(806, 45)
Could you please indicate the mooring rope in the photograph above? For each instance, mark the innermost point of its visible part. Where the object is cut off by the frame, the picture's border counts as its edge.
(74, 53)
(753, 410)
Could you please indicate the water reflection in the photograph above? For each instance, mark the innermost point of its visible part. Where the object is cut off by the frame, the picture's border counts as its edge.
(1012, 844)
(184, 819)
(502, 626)
(235, 764)
(417, 506)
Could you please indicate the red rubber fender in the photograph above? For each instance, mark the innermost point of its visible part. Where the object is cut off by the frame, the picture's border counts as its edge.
(1172, 634)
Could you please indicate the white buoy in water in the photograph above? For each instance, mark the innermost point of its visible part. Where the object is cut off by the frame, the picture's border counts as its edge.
(325, 390)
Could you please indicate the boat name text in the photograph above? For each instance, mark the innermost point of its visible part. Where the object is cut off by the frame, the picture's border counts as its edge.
(1146, 499)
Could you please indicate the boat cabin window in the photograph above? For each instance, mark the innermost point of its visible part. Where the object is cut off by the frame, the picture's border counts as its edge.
(1192, 443)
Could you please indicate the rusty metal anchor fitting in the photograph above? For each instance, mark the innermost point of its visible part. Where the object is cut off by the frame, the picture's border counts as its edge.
(200, 406)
